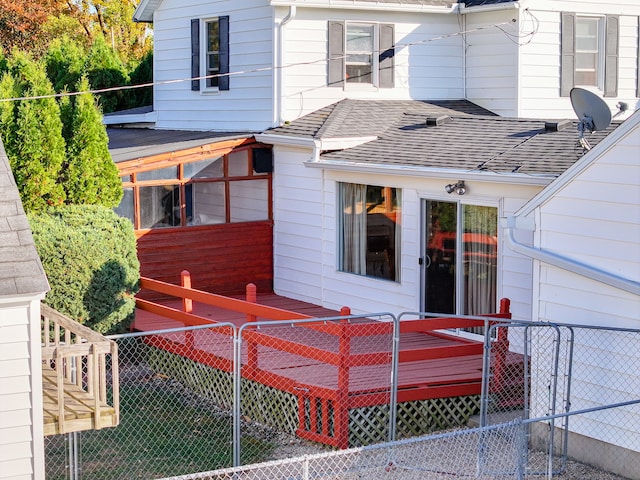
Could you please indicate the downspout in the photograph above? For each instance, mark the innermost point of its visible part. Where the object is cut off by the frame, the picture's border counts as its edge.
(570, 264)
(279, 90)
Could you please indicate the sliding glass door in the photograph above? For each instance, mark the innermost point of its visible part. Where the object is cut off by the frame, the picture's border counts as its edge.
(460, 258)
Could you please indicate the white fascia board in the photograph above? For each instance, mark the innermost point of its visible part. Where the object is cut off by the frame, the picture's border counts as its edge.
(380, 5)
(587, 159)
(489, 8)
(287, 140)
(343, 143)
(144, 12)
(445, 173)
(127, 119)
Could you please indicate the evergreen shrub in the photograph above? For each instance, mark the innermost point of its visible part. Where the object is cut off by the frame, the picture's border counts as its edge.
(89, 255)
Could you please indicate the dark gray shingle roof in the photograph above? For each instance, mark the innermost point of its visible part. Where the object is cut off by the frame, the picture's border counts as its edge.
(21, 271)
(474, 139)
(474, 143)
(357, 118)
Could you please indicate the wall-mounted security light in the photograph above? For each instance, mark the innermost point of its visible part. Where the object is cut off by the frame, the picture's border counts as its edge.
(459, 188)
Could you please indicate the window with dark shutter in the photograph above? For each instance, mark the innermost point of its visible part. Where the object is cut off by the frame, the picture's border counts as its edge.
(195, 54)
(387, 57)
(335, 67)
(360, 53)
(210, 53)
(611, 57)
(589, 53)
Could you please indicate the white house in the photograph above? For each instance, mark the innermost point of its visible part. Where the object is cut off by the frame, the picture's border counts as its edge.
(350, 69)
(22, 285)
(259, 63)
(586, 252)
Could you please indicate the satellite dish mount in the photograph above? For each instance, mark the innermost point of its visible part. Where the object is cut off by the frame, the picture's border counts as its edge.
(593, 113)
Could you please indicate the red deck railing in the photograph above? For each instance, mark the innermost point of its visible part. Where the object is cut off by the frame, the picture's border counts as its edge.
(342, 393)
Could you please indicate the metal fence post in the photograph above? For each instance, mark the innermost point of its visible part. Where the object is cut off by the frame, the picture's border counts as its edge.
(393, 399)
(237, 385)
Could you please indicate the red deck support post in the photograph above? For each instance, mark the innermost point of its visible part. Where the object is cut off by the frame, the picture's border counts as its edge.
(252, 348)
(501, 347)
(341, 409)
(185, 281)
(187, 307)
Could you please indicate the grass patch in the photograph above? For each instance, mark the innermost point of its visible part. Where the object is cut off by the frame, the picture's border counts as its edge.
(163, 432)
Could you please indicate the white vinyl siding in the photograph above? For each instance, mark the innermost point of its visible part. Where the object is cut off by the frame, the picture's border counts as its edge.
(595, 220)
(21, 433)
(248, 105)
(305, 239)
(423, 69)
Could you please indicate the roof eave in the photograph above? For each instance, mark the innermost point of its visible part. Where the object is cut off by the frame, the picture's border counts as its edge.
(381, 5)
(432, 172)
(145, 11)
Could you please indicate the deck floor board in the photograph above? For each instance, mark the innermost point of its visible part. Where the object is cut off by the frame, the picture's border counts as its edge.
(304, 371)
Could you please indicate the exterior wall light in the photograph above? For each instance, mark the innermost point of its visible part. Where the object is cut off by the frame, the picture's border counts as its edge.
(459, 188)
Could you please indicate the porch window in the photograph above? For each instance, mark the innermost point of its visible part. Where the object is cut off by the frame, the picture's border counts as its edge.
(369, 226)
(225, 189)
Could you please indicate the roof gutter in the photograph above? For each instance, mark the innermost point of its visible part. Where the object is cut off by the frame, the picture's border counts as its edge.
(374, 5)
(446, 173)
(567, 263)
(488, 8)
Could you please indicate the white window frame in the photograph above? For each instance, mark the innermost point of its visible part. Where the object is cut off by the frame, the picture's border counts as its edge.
(375, 54)
(204, 53)
(600, 53)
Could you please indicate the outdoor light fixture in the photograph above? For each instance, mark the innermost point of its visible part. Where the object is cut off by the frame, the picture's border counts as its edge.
(459, 188)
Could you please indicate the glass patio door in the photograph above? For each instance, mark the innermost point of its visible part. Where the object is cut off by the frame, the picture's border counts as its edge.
(459, 264)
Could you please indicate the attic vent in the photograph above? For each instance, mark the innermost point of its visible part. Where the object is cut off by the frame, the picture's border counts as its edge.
(437, 121)
(557, 126)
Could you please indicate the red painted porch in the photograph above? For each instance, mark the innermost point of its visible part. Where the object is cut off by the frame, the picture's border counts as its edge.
(328, 366)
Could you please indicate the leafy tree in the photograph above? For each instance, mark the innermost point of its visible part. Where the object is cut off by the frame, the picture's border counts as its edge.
(142, 74)
(35, 146)
(90, 176)
(22, 23)
(104, 70)
(89, 255)
(64, 63)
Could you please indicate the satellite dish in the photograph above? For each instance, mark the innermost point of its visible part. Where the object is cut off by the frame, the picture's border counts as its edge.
(592, 111)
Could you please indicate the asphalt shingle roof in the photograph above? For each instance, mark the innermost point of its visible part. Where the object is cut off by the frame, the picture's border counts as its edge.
(21, 271)
(473, 139)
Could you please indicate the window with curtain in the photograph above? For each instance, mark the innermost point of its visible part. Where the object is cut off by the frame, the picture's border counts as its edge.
(369, 226)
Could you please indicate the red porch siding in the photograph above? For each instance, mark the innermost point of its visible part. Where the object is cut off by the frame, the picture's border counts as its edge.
(221, 258)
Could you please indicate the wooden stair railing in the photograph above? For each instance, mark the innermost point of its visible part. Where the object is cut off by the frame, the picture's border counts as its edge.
(78, 367)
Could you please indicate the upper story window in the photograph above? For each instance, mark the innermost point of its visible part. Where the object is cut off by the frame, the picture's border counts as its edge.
(360, 53)
(589, 53)
(210, 54)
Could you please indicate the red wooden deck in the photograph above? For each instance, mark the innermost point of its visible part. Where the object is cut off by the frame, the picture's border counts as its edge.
(329, 366)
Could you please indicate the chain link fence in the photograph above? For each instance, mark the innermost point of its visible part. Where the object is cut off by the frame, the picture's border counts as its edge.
(203, 399)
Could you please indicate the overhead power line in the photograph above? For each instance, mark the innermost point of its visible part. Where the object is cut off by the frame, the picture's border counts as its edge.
(97, 91)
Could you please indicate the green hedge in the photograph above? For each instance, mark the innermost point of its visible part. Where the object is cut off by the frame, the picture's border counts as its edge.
(89, 255)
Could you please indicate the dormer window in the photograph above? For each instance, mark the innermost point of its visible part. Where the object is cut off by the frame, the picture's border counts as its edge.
(210, 54)
(360, 53)
(589, 53)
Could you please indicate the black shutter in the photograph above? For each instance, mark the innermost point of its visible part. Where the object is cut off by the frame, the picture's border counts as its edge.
(335, 65)
(567, 57)
(223, 26)
(195, 54)
(387, 57)
(611, 57)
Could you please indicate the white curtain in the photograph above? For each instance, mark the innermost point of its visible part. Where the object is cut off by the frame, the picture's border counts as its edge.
(480, 259)
(354, 228)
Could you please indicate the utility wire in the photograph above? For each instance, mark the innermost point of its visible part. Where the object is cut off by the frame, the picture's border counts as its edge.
(499, 26)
